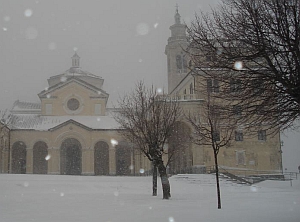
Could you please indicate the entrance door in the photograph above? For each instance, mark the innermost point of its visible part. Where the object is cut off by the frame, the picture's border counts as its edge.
(71, 157)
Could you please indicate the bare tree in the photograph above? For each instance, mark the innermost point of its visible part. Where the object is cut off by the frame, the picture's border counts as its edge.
(213, 126)
(148, 118)
(255, 48)
(4, 136)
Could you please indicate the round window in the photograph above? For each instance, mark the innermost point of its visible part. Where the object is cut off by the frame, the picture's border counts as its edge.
(73, 104)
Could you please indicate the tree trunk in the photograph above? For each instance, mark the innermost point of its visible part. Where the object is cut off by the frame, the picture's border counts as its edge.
(217, 179)
(154, 179)
(164, 179)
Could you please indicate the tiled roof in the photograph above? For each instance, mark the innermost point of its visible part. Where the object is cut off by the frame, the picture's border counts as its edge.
(45, 123)
(24, 107)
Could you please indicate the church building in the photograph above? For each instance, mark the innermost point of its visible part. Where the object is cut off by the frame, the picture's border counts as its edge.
(72, 132)
(246, 154)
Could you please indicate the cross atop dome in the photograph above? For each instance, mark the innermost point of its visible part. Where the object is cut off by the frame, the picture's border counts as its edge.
(177, 15)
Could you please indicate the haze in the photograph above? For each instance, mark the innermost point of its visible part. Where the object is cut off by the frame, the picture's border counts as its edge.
(121, 41)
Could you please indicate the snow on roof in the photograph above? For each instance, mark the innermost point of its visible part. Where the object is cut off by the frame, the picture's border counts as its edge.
(74, 71)
(45, 123)
(26, 105)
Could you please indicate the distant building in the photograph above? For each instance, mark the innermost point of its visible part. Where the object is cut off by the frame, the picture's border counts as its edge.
(246, 154)
(71, 131)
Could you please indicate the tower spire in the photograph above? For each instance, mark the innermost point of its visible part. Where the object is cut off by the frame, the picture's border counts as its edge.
(177, 15)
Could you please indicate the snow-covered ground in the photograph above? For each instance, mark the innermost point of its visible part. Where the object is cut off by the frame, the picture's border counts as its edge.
(56, 198)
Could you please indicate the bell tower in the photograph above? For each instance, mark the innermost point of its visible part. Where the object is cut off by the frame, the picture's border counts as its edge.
(176, 57)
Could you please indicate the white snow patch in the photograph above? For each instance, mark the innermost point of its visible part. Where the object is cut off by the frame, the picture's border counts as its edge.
(97, 198)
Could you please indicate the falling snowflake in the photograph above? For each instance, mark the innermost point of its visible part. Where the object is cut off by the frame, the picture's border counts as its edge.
(253, 188)
(142, 171)
(52, 46)
(63, 79)
(142, 29)
(48, 157)
(114, 142)
(171, 219)
(159, 90)
(28, 13)
(116, 193)
(238, 65)
(31, 33)
(6, 18)
(155, 25)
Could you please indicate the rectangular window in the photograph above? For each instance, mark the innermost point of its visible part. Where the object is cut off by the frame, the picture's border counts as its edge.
(191, 89)
(48, 109)
(237, 110)
(240, 158)
(239, 136)
(262, 135)
(213, 85)
(258, 86)
(260, 110)
(216, 136)
(214, 112)
(98, 109)
(209, 85)
(235, 85)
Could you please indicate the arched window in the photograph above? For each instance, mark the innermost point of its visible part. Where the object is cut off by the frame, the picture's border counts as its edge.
(181, 63)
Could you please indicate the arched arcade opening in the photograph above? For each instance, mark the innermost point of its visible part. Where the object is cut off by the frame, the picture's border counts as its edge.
(71, 157)
(18, 158)
(123, 158)
(101, 158)
(180, 149)
(40, 152)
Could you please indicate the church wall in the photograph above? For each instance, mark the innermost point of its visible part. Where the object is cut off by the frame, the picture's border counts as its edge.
(60, 97)
(87, 139)
(4, 148)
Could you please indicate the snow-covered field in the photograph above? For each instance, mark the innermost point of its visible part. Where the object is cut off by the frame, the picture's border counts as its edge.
(55, 198)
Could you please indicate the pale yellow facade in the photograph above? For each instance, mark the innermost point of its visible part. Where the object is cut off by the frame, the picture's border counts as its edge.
(252, 155)
(71, 131)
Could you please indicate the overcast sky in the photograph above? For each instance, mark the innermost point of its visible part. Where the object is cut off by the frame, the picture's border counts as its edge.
(122, 41)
